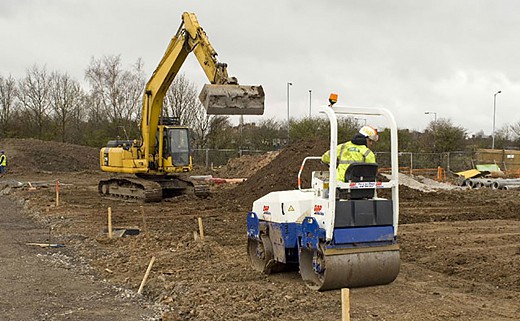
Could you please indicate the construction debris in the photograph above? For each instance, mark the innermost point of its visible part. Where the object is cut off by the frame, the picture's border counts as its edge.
(122, 231)
(46, 245)
(494, 183)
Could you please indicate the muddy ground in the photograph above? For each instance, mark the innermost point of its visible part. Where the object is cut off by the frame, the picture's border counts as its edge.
(460, 249)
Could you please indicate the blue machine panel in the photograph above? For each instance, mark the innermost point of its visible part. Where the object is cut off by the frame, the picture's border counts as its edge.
(283, 236)
(311, 233)
(253, 226)
(363, 234)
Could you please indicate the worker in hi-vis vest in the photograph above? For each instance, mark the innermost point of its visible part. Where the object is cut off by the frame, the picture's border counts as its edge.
(3, 162)
(356, 150)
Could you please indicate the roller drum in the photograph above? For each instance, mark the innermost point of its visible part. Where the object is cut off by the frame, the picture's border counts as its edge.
(349, 269)
(261, 256)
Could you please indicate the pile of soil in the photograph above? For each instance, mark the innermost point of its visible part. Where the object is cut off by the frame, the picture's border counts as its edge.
(281, 173)
(247, 165)
(48, 156)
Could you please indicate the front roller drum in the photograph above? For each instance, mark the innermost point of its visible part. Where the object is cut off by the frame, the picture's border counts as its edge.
(261, 255)
(349, 269)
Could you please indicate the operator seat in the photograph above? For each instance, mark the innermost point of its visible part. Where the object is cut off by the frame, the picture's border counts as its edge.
(361, 172)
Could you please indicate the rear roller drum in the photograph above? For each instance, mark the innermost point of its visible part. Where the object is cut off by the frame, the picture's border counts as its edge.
(261, 255)
(348, 269)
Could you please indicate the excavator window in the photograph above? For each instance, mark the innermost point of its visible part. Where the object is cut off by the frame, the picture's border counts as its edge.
(178, 145)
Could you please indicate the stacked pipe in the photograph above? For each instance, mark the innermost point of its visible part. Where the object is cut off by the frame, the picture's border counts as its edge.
(497, 183)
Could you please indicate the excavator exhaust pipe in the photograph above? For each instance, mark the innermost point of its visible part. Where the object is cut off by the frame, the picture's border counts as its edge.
(232, 99)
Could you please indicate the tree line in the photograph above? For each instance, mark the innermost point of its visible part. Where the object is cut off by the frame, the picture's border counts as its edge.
(52, 105)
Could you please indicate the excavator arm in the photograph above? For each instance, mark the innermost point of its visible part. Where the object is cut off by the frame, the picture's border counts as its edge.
(163, 154)
(222, 96)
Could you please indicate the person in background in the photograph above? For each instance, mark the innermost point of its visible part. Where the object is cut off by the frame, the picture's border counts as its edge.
(357, 150)
(3, 162)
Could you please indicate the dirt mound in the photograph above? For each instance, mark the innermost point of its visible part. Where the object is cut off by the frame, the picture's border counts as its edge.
(47, 156)
(281, 173)
(247, 165)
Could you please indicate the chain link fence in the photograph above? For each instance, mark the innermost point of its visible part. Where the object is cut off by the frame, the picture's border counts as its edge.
(452, 161)
(219, 157)
(432, 165)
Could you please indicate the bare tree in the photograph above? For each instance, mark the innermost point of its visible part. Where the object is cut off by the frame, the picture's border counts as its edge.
(116, 91)
(34, 96)
(182, 101)
(442, 136)
(202, 126)
(8, 93)
(66, 98)
(220, 133)
(515, 128)
(266, 135)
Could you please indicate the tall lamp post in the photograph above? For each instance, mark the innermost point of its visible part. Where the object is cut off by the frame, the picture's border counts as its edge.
(434, 129)
(494, 112)
(288, 114)
(434, 115)
(310, 102)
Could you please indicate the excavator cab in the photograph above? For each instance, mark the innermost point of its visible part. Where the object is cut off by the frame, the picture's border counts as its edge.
(176, 144)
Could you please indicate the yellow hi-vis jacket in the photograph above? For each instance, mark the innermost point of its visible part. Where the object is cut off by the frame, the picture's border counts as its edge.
(3, 160)
(347, 154)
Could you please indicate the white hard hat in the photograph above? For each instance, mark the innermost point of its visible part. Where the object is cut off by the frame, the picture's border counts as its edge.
(369, 132)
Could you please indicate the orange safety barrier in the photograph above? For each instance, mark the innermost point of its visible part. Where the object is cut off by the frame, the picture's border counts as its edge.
(439, 171)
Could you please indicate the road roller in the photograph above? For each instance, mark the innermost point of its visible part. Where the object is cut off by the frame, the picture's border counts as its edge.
(339, 234)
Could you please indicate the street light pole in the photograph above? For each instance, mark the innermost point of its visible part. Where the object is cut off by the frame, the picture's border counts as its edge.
(494, 112)
(310, 102)
(434, 128)
(288, 114)
(434, 115)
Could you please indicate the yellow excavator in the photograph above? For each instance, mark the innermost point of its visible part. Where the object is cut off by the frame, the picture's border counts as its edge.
(156, 164)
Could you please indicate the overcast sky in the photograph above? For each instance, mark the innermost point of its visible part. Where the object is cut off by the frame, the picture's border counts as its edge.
(410, 56)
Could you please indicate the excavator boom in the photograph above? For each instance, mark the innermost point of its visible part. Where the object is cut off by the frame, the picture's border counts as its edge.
(164, 152)
(223, 96)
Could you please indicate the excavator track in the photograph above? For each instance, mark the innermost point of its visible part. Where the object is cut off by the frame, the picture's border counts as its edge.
(150, 189)
(131, 189)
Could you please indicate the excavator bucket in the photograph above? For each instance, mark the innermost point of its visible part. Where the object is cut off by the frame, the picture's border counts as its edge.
(233, 99)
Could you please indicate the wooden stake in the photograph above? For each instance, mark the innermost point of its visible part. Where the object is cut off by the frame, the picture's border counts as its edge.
(110, 223)
(201, 230)
(146, 275)
(345, 304)
(57, 193)
(144, 219)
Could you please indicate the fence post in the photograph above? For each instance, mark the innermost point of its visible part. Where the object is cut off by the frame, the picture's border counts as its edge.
(411, 163)
(207, 157)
